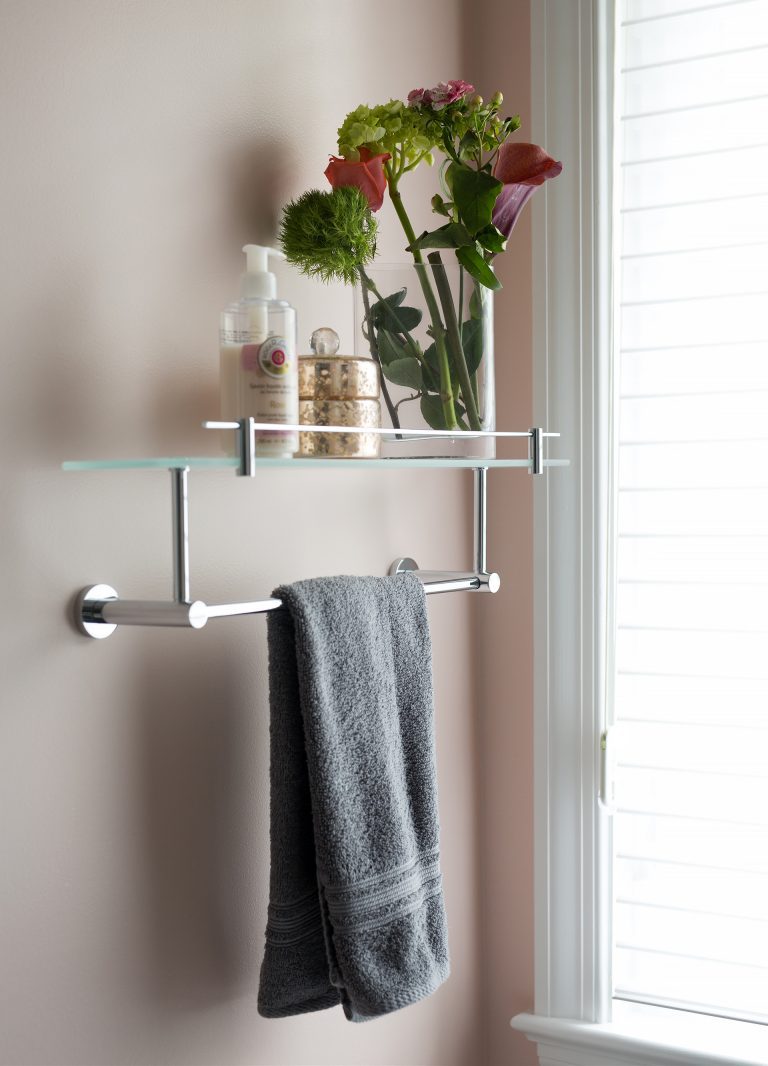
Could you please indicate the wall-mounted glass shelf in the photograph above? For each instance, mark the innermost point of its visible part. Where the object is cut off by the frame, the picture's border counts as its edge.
(100, 610)
(247, 461)
(196, 462)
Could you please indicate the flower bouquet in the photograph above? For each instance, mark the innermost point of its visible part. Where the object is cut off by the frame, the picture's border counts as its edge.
(436, 346)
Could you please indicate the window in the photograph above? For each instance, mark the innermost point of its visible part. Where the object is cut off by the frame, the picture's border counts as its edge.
(691, 662)
(673, 636)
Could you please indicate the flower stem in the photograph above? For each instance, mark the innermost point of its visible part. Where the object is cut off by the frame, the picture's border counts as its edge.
(438, 329)
(364, 283)
(454, 339)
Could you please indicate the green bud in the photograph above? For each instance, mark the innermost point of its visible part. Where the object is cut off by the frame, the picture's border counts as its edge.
(476, 100)
(497, 99)
(439, 206)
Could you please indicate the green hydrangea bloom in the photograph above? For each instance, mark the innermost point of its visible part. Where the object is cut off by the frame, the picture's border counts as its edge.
(409, 135)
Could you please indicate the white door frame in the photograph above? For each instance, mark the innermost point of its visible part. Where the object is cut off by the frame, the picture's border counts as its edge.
(572, 93)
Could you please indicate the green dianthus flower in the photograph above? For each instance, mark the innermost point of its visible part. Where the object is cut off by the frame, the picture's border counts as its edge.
(329, 235)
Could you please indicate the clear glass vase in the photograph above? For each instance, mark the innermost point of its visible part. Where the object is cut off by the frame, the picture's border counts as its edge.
(430, 329)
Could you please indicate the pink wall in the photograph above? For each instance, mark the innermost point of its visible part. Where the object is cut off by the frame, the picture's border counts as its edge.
(145, 142)
(500, 49)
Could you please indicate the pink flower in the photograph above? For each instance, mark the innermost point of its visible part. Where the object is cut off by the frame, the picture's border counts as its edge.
(444, 93)
(525, 164)
(368, 175)
(522, 168)
(418, 97)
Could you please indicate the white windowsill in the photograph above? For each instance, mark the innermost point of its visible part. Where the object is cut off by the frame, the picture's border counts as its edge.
(646, 1036)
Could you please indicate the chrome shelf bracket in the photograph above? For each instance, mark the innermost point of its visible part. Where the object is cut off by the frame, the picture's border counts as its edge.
(477, 580)
(99, 609)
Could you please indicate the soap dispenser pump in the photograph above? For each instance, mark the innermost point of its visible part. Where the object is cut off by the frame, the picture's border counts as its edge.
(258, 367)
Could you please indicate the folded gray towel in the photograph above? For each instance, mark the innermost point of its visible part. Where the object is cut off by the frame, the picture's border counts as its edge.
(356, 912)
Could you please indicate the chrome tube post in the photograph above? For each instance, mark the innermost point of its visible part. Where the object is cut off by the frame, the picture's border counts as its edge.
(453, 581)
(99, 611)
(246, 446)
(230, 610)
(536, 449)
(180, 544)
(481, 519)
(477, 580)
(153, 613)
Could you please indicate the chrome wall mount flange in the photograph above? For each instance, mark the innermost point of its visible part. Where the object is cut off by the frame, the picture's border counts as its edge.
(88, 605)
(402, 566)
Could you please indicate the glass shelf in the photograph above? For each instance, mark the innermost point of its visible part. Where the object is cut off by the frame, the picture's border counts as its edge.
(196, 462)
(398, 438)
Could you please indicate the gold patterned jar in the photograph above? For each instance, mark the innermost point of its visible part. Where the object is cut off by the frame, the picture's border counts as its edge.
(338, 390)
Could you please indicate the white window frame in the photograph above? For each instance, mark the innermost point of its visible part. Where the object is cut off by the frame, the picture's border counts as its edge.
(572, 116)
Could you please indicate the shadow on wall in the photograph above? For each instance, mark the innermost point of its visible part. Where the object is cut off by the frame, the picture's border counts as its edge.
(258, 175)
(73, 398)
(196, 750)
(253, 180)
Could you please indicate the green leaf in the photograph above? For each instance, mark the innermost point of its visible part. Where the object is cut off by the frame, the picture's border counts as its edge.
(405, 372)
(394, 300)
(469, 146)
(476, 303)
(431, 371)
(452, 235)
(390, 348)
(477, 267)
(387, 303)
(511, 124)
(395, 319)
(404, 319)
(432, 411)
(450, 151)
(474, 193)
(472, 343)
(492, 239)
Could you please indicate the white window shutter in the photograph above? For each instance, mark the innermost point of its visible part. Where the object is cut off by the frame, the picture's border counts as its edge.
(691, 684)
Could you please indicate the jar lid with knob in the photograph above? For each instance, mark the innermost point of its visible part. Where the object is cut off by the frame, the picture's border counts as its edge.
(338, 390)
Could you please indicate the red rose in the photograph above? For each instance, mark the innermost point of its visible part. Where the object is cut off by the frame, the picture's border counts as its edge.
(367, 175)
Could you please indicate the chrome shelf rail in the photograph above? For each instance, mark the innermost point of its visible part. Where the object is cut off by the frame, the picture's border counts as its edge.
(99, 610)
(246, 429)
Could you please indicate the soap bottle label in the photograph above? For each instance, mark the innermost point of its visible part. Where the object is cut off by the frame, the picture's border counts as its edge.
(274, 358)
(270, 374)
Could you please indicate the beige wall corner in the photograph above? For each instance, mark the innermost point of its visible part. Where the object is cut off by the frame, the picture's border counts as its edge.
(497, 36)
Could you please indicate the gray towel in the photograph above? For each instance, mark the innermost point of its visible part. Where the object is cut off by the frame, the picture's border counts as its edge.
(356, 912)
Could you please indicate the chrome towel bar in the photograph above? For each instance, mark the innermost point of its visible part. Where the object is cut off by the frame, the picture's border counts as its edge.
(99, 610)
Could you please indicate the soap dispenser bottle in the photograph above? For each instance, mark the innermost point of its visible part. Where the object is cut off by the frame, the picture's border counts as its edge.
(258, 367)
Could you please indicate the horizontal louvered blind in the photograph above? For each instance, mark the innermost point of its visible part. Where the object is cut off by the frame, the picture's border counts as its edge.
(691, 684)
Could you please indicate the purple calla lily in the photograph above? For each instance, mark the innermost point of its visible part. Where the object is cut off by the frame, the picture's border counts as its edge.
(509, 205)
(522, 168)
